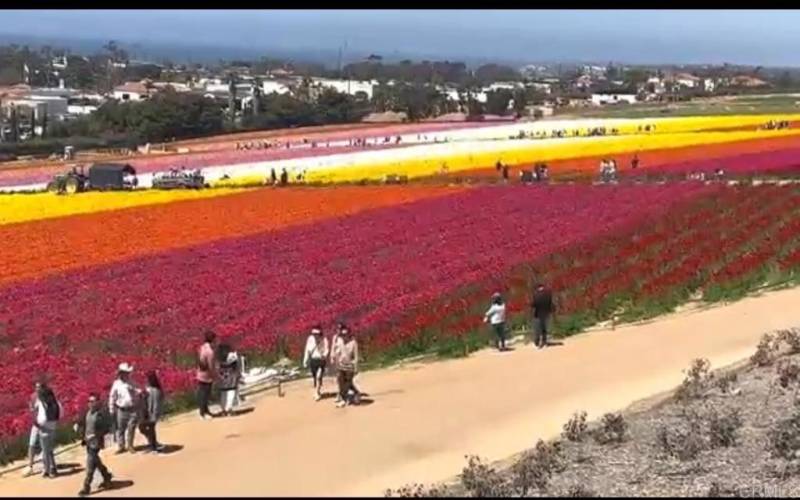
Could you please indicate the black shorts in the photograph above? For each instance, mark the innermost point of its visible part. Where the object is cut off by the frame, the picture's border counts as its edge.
(316, 364)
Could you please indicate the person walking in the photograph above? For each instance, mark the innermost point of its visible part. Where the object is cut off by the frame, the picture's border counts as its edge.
(47, 411)
(542, 307)
(314, 357)
(34, 443)
(346, 354)
(152, 409)
(92, 427)
(123, 404)
(230, 375)
(206, 373)
(273, 177)
(496, 317)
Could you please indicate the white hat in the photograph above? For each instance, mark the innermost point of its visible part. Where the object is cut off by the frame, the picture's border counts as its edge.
(232, 357)
(125, 367)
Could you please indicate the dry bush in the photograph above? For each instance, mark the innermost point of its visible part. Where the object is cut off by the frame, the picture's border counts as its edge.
(784, 440)
(576, 427)
(684, 440)
(766, 351)
(725, 382)
(533, 470)
(788, 373)
(482, 480)
(580, 491)
(420, 491)
(696, 382)
(613, 428)
(791, 338)
(723, 430)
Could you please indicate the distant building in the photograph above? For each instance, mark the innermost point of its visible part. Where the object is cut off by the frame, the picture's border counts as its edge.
(686, 80)
(276, 86)
(132, 91)
(603, 99)
(748, 81)
(351, 87)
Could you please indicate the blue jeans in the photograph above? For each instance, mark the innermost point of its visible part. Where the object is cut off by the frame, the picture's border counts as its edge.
(47, 440)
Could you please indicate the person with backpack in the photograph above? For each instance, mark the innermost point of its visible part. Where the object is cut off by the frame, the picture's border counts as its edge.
(496, 317)
(206, 373)
(230, 376)
(542, 308)
(123, 405)
(92, 427)
(153, 403)
(314, 358)
(47, 413)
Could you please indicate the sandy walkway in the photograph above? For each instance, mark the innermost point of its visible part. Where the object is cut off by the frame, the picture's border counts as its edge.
(425, 418)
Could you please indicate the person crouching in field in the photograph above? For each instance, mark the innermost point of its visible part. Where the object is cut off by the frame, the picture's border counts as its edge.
(230, 375)
(346, 354)
(153, 402)
(496, 317)
(123, 401)
(316, 352)
(542, 308)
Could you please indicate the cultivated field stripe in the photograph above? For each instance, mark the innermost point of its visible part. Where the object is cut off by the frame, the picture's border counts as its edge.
(50, 246)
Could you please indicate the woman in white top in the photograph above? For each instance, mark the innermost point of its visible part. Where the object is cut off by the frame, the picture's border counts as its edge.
(314, 358)
(496, 317)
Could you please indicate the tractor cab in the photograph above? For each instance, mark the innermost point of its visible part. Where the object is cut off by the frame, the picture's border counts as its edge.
(71, 182)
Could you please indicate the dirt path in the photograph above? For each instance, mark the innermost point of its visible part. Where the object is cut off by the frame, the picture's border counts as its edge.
(426, 417)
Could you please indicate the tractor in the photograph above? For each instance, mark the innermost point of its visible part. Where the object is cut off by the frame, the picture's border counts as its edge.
(71, 182)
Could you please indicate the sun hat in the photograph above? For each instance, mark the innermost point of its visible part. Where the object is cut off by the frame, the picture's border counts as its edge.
(316, 330)
(125, 368)
(232, 357)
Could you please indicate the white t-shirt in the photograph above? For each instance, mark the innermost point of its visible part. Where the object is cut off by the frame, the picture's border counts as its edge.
(496, 314)
(315, 350)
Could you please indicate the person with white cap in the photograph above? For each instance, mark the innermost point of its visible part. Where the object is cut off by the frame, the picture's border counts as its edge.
(122, 405)
(496, 317)
(315, 354)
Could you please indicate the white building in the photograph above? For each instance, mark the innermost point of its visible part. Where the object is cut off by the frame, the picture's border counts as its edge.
(131, 91)
(602, 99)
(275, 87)
(351, 87)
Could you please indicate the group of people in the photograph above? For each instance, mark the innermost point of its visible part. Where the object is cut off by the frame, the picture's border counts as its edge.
(541, 306)
(341, 354)
(718, 175)
(128, 407)
(777, 125)
(275, 180)
(608, 170)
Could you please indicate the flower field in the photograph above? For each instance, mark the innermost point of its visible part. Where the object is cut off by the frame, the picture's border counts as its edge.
(94, 279)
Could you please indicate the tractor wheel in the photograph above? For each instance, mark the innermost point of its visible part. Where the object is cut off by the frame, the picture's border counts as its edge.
(71, 186)
(52, 187)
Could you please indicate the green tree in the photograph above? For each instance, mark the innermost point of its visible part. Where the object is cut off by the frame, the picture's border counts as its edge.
(497, 101)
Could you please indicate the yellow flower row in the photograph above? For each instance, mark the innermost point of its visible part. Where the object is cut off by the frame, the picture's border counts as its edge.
(27, 207)
(468, 156)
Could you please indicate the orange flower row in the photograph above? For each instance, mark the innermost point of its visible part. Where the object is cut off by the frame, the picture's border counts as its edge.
(44, 247)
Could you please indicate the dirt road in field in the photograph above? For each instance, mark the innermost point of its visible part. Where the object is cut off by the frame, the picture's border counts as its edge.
(426, 417)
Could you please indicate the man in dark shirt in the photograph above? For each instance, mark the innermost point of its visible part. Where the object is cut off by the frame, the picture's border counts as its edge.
(542, 308)
(92, 427)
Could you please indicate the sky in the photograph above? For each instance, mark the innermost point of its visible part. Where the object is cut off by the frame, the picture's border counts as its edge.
(757, 37)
